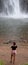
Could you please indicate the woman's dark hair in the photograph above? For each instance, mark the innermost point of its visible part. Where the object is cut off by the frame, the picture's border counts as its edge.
(14, 43)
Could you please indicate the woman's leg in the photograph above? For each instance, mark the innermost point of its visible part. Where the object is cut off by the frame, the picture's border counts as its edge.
(13, 58)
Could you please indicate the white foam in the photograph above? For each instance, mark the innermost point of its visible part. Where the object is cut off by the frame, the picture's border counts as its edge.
(16, 13)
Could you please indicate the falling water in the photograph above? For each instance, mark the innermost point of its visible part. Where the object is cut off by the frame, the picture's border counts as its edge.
(12, 8)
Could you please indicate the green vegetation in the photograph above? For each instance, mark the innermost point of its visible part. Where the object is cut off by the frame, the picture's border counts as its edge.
(2, 62)
(25, 64)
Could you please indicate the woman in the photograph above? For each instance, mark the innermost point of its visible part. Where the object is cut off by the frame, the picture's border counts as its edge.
(13, 52)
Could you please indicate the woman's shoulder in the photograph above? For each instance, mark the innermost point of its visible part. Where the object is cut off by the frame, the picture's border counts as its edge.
(11, 46)
(16, 46)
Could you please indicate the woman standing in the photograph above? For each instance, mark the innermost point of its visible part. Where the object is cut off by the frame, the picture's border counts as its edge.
(13, 52)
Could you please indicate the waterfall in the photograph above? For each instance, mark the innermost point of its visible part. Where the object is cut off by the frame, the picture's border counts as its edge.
(11, 8)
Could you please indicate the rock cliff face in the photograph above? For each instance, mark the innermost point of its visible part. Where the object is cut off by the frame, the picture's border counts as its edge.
(24, 5)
